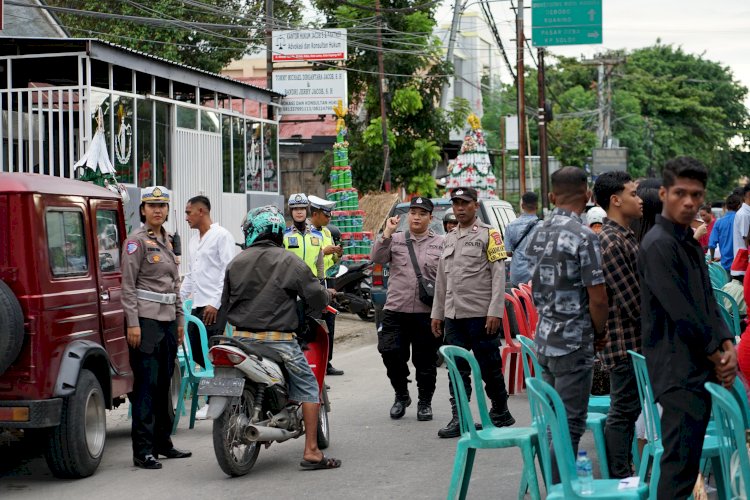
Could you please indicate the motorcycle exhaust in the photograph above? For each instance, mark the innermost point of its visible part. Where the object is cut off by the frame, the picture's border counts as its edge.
(263, 433)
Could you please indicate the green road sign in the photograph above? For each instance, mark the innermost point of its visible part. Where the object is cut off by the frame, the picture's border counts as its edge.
(566, 22)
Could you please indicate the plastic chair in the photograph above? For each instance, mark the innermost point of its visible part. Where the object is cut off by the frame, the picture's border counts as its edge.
(731, 313)
(730, 424)
(654, 448)
(532, 317)
(194, 376)
(489, 436)
(510, 353)
(550, 413)
(594, 421)
(717, 275)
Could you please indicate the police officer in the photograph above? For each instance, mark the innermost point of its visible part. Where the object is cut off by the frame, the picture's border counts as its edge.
(301, 238)
(153, 313)
(406, 319)
(449, 221)
(320, 216)
(469, 298)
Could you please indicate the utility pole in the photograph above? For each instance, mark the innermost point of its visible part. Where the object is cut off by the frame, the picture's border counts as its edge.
(502, 149)
(457, 8)
(386, 181)
(605, 65)
(269, 54)
(521, 100)
(543, 160)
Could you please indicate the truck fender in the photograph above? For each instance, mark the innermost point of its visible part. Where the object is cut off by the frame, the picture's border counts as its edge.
(83, 354)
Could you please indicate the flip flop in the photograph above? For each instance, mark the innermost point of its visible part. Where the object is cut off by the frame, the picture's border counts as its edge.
(324, 463)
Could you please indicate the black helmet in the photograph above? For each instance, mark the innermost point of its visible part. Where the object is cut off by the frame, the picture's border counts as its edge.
(449, 216)
(335, 233)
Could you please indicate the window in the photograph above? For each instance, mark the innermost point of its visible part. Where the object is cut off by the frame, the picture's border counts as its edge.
(254, 170)
(226, 152)
(108, 240)
(187, 117)
(238, 139)
(270, 159)
(66, 242)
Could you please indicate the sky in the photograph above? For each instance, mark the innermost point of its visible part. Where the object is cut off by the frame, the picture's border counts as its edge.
(720, 29)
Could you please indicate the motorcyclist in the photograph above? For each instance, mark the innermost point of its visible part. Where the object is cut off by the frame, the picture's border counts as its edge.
(449, 220)
(260, 292)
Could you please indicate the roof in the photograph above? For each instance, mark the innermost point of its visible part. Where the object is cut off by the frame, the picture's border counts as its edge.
(141, 61)
(48, 184)
(21, 20)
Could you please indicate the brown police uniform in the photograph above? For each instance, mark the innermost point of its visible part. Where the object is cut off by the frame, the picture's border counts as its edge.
(151, 300)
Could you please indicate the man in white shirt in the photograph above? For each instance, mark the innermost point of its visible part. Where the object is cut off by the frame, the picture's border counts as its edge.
(741, 225)
(211, 249)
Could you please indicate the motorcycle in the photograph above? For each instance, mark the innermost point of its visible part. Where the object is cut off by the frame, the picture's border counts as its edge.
(249, 401)
(353, 283)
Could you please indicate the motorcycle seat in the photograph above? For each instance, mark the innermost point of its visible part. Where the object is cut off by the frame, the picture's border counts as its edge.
(358, 266)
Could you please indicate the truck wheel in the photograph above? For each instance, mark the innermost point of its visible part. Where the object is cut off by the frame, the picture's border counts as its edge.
(76, 446)
(11, 324)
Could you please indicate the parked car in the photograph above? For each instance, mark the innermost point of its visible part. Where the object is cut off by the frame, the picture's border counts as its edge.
(496, 213)
(63, 352)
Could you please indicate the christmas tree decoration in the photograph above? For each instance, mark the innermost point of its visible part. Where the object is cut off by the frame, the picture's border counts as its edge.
(472, 167)
(95, 165)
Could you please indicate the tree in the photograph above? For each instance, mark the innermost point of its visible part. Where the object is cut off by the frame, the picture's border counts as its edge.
(198, 34)
(415, 74)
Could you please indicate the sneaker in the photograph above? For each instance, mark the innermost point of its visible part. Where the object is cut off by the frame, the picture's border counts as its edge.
(424, 411)
(202, 414)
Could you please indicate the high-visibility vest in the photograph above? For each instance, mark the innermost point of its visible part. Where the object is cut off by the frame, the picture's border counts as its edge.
(305, 246)
(328, 260)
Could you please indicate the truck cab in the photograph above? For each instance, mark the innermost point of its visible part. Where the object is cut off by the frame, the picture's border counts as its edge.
(63, 350)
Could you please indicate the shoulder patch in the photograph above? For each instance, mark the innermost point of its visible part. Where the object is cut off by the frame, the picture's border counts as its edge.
(132, 247)
(495, 246)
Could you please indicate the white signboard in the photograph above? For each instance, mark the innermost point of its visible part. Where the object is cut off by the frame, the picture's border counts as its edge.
(511, 133)
(310, 45)
(310, 92)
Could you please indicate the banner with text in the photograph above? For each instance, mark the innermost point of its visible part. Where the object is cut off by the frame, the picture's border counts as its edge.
(309, 45)
(310, 92)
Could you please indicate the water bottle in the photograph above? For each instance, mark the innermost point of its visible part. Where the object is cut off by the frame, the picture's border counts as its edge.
(585, 474)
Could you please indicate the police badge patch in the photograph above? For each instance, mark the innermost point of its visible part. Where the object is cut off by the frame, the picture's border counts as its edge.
(132, 247)
(495, 247)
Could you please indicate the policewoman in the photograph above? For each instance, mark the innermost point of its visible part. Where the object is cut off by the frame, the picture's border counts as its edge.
(301, 238)
(153, 313)
(469, 299)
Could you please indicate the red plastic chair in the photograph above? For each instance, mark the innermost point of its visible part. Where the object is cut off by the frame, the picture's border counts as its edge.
(531, 316)
(510, 353)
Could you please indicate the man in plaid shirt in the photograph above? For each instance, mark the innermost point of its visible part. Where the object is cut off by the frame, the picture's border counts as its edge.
(615, 192)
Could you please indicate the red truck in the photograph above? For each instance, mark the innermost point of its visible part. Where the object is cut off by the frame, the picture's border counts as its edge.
(63, 352)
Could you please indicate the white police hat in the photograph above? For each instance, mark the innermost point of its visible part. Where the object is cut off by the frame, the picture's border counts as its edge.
(321, 204)
(155, 194)
(297, 200)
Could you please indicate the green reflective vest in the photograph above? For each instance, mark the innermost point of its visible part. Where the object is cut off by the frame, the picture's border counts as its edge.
(305, 246)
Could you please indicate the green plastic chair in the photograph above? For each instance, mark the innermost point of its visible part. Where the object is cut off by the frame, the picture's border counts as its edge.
(194, 373)
(730, 424)
(731, 314)
(654, 448)
(550, 412)
(717, 275)
(594, 421)
(489, 436)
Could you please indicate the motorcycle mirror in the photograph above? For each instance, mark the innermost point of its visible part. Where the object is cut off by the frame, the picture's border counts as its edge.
(342, 271)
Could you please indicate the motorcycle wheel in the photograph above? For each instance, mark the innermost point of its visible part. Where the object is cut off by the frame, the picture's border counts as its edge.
(369, 313)
(235, 457)
(324, 431)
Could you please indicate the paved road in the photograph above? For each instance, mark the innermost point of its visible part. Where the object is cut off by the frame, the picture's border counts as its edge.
(382, 458)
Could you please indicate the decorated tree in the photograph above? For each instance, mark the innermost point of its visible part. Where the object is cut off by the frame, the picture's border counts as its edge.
(472, 167)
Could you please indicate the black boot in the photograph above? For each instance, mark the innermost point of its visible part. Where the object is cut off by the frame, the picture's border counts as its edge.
(453, 429)
(500, 415)
(424, 410)
(399, 406)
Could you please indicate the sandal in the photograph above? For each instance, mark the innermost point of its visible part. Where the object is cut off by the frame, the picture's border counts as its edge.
(324, 463)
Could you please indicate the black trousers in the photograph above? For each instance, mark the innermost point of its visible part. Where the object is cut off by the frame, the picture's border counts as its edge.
(330, 320)
(194, 335)
(624, 409)
(153, 366)
(471, 334)
(403, 335)
(683, 427)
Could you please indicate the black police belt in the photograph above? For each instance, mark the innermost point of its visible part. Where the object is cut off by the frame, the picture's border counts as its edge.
(161, 298)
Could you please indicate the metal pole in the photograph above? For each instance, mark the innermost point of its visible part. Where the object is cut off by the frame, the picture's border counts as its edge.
(269, 54)
(543, 160)
(502, 165)
(451, 45)
(600, 102)
(382, 86)
(521, 100)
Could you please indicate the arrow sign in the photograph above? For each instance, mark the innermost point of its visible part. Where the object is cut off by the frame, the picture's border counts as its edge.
(566, 22)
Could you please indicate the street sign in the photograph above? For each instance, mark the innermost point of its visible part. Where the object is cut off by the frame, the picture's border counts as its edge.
(310, 92)
(309, 45)
(609, 160)
(566, 22)
(511, 133)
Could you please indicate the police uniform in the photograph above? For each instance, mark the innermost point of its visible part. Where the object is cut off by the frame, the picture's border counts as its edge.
(307, 246)
(470, 287)
(328, 262)
(151, 301)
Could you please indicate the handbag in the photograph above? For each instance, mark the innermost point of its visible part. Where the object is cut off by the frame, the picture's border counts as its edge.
(426, 287)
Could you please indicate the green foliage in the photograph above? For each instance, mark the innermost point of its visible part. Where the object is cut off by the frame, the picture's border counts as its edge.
(202, 47)
(422, 184)
(413, 60)
(425, 154)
